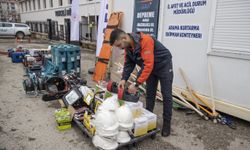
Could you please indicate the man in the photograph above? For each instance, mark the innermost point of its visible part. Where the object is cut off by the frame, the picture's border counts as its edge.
(155, 61)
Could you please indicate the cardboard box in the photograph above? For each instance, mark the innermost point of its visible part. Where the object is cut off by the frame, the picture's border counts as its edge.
(152, 119)
(140, 126)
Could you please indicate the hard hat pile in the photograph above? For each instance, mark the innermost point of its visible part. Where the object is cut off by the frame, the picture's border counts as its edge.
(112, 124)
(106, 130)
(125, 119)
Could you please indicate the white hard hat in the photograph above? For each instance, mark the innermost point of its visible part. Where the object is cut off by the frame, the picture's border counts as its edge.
(110, 103)
(31, 59)
(123, 137)
(125, 117)
(106, 123)
(19, 46)
(104, 143)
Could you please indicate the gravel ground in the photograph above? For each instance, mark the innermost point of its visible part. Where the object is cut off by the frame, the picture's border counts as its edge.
(27, 123)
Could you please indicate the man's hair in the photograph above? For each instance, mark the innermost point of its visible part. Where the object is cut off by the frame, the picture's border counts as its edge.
(115, 34)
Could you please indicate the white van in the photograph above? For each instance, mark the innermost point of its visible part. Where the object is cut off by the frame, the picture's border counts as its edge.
(19, 30)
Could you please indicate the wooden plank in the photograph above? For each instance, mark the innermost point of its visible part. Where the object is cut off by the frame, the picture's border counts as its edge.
(191, 106)
(189, 88)
(222, 106)
(196, 98)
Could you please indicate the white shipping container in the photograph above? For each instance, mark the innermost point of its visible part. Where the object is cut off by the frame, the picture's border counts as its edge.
(205, 32)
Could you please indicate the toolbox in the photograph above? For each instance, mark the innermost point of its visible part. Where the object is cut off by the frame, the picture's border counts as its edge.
(17, 57)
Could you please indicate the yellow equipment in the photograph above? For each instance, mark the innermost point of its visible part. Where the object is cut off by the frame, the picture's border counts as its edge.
(87, 123)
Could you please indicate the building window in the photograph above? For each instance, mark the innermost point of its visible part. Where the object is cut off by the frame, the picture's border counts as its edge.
(32, 26)
(46, 28)
(29, 5)
(8, 6)
(41, 28)
(231, 29)
(70, 1)
(61, 32)
(34, 5)
(51, 3)
(44, 3)
(60, 2)
(39, 4)
(26, 6)
(12, 6)
(36, 27)
(21, 6)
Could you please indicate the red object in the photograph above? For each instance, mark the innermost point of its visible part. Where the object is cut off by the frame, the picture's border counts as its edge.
(109, 86)
(120, 93)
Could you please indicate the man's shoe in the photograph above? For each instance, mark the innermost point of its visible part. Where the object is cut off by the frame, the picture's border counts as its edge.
(165, 132)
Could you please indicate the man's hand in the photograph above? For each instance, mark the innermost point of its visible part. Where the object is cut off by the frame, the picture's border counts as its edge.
(132, 89)
(122, 84)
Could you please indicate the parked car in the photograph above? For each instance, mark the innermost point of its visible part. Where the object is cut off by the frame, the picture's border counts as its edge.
(19, 30)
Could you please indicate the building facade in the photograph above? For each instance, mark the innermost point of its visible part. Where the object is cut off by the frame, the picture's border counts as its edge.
(9, 11)
(37, 12)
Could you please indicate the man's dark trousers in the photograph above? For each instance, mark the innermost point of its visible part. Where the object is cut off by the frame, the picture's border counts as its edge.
(165, 76)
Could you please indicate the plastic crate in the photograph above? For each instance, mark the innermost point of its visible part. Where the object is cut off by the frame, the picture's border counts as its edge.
(71, 67)
(59, 54)
(78, 66)
(49, 68)
(71, 57)
(59, 58)
(66, 58)
(77, 63)
(77, 53)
